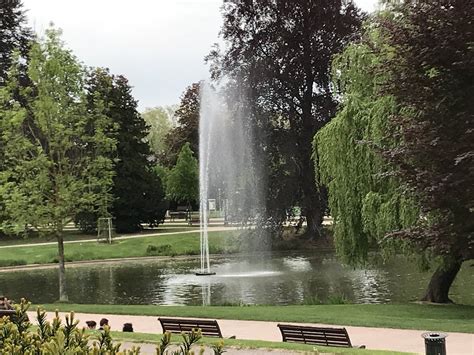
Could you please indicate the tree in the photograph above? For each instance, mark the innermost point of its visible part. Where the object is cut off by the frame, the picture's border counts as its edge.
(187, 129)
(396, 157)
(14, 38)
(137, 190)
(49, 172)
(278, 56)
(160, 123)
(432, 78)
(183, 179)
(14, 35)
(365, 199)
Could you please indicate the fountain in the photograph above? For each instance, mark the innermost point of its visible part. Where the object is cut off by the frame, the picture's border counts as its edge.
(227, 163)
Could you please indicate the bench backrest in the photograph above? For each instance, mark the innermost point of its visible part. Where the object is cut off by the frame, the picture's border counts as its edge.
(209, 328)
(7, 312)
(337, 337)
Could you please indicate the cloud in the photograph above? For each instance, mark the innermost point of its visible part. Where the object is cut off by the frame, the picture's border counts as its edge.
(159, 45)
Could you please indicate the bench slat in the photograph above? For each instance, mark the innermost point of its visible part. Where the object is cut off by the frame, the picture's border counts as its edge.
(337, 337)
(208, 327)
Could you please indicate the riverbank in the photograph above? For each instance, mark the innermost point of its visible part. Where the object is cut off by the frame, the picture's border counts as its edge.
(451, 318)
(165, 242)
(159, 244)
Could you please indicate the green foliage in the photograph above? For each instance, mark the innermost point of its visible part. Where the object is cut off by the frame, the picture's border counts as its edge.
(165, 249)
(160, 123)
(17, 337)
(277, 57)
(365, 200)
(183, 179)
(137, 191)
(189, 339)
(187, 127)
(162, 172)
(14, 35)
(56, 153)
(218, 348)
(12, 262)
(47, 177)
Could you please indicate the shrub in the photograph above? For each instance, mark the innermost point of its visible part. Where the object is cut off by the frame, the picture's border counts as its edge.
(337, 299)
(9, 262)
(17, 337)
(55, 338)
(154, 250)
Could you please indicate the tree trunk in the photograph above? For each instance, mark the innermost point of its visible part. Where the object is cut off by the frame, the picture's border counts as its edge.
(314, 222)
(313, 201)
(62, 268)
(440, 283)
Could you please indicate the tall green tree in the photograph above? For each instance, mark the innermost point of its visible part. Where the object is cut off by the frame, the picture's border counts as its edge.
(278, 57)
(160, 123)
(14, 35)
(365, 199)
(137, 190)
(187, 128)
(398, 156)
(49, 171)
(14, 38)
(183, 179)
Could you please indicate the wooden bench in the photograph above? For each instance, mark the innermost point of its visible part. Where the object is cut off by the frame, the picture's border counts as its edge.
(336, 337)
(177, 215)
(7, 312)
(209, 328)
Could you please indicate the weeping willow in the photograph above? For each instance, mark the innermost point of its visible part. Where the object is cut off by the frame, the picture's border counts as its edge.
(366, 200)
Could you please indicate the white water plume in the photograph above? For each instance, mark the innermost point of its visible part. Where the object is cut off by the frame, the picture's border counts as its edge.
(228, 167)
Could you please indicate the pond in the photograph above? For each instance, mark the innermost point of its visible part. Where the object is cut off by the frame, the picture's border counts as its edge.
(295, 278)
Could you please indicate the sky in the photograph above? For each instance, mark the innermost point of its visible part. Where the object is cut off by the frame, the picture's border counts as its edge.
(159, 45)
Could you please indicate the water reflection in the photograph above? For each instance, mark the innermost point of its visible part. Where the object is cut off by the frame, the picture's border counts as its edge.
(273, 279)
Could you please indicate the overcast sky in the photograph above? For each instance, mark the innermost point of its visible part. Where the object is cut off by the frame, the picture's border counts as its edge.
(159, 45)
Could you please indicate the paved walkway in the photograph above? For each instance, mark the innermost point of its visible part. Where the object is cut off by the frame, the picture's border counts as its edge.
(131, 236)
(373, 338)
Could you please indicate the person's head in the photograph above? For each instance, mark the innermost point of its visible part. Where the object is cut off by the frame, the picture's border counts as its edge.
(127, 327)
(104, 321)
(91, 324)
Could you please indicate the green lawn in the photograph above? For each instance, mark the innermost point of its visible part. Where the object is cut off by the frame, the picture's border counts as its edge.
(450, 318)
(171, 245)
(252, 344)
(70, 235)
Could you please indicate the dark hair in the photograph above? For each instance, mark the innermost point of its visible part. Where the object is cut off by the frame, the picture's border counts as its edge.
(91, 324)
(104, 321)
(127, 327)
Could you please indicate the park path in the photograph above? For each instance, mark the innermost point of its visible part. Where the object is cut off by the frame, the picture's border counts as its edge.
(130, 236)
(374, 338)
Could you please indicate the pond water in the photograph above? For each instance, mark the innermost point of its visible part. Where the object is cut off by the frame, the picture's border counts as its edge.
(264, 279)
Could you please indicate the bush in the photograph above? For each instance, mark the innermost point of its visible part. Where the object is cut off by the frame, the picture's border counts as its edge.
(337, 299)
(17, 337)
(54, 338)
(154, 250)
(9, 262)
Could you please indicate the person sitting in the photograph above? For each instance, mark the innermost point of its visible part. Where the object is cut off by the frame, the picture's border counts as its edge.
(103, 322)
(91, 324)
(127, 327)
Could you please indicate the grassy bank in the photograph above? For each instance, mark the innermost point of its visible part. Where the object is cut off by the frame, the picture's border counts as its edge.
(251, 344)
(451, 318)
(74, 235)
(171, 245)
